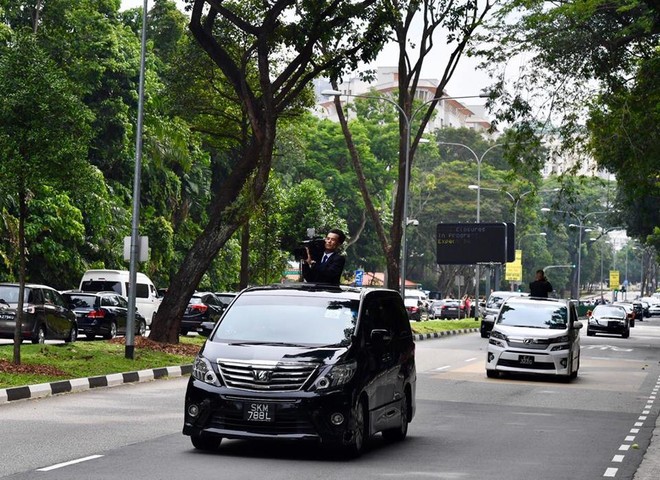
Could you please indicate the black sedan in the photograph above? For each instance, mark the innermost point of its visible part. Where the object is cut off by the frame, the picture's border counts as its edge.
(609, 319)
(45, 314)
(203, 308)
(447, 308)
(103, 313)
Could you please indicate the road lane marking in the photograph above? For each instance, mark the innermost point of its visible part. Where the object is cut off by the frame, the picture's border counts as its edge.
(618, 458)
(442, 368)
(624, 448)
(471, 359)
(634, 430)
(66, 464)
(630, 438)
(610, 472)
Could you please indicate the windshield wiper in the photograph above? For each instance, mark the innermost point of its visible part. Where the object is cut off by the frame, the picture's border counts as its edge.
(278, 344)
(2, 300)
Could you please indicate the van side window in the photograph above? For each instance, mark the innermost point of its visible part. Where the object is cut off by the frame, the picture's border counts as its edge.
(141, 290)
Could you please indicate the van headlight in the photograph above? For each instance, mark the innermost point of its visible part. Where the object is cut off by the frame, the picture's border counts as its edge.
(203, 371)
(562, 340)
(335, 376)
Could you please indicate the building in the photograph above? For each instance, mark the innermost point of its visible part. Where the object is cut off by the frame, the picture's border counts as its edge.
(449, 113)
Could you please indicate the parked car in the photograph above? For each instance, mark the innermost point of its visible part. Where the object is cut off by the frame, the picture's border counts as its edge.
(305, 362)
(447, 308)
(608, 319)
(654, 306)
(492, 308)
(202, 307)
(535, 335)
(225, 297)
(415, 308)
(103, 313)
(147, 299)
(46, 315)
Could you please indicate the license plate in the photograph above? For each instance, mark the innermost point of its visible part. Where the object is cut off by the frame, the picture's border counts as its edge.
(259, 412)
(526, 360)
(7, 316)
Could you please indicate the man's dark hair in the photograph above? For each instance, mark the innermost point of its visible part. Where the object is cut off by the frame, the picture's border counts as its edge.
(541, 272)
(338, 232)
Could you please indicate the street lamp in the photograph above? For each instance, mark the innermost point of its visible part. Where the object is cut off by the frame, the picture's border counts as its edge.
(579, 225)
(515, 199)
(478, 159)
(408, 121)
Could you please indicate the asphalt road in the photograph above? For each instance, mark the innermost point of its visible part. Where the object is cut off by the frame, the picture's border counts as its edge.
(466, 427)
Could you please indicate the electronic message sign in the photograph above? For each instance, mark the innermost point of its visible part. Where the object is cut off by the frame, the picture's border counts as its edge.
(471, 243)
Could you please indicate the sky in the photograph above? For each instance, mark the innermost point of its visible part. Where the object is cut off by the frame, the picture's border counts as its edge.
(466, 81)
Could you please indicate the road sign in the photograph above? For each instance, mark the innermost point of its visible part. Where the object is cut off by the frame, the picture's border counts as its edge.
(471, 243)
(614, 279)
(514, 269)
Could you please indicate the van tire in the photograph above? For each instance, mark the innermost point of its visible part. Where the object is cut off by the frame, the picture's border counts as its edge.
(141, 329)
(207, 443)
(360, 436)
(73, 335)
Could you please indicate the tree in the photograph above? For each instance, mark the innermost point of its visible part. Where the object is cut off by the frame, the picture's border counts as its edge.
(44, 130)
(282, 47)
(460, 22)
(584, 59)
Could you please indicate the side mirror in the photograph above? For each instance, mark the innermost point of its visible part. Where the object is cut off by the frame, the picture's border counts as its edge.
(577, 325)
(380, 336)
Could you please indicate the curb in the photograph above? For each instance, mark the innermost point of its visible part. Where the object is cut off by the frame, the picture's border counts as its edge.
(425, 336)
(81, 384)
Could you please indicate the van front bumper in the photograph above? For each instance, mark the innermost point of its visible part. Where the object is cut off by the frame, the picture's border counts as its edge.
(220, 411)
(544, 362)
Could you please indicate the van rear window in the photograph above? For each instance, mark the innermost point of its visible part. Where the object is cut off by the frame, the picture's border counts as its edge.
(101, 286)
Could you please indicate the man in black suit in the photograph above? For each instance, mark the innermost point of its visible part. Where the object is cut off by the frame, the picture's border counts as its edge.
(329, 267)
(540, 287)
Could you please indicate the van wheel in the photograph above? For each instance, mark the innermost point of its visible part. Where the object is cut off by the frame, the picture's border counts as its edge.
(399, 434)
(141, 329)
(208, 443)
(360, 434)
(112, 333)
(40, 337)
(626, 333)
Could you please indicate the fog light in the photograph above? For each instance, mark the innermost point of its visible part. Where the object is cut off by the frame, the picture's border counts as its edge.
(337, 418)
(193, 411)
(491, 357)
(564, 362)
(323, 382)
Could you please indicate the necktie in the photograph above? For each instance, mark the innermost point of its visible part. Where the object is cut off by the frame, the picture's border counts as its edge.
(325, 257)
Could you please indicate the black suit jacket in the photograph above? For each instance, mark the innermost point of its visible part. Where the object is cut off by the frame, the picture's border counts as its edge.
(328, 272)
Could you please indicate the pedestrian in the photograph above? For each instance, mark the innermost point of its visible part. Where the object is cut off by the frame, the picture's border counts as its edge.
(540, 287)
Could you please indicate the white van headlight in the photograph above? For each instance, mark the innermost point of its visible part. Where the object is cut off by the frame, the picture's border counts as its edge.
(563, 341)
(203, 371)
(336, 376)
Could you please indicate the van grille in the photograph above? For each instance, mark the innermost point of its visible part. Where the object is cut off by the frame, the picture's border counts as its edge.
(265, 376)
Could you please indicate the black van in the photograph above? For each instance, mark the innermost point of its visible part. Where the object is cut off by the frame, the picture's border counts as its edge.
(329, 364)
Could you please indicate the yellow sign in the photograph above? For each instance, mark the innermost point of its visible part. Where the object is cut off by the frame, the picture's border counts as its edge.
(514, 269)
(614, 279)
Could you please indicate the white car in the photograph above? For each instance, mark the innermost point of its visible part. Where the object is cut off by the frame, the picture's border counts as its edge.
(535, 336)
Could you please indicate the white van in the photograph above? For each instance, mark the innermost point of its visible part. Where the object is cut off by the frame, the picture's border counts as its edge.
(147, 300)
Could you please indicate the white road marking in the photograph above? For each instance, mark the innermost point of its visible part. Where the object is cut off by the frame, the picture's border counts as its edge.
(66, 464)
(610, 472)
(630, 438)
(634, 430)
(618, 458)
(624, 448)
(639, 424)
(471, 359)
(443, 368)
(614, 348)
(642, 418)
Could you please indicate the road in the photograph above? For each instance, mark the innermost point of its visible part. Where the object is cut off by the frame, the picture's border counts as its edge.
(466, 427)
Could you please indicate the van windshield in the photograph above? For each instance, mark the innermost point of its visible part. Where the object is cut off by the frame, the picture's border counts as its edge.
(534, 315)
(296, 320)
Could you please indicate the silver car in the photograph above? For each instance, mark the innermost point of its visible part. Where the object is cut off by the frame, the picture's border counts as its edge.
(537, 336)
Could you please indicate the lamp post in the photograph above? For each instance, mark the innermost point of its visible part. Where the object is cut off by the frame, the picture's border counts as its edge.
(407, 122)
(514, 199)
(478, 159)
(603, 232)
(580, 226)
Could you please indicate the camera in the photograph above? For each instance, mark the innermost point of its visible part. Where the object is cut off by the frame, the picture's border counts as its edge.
(316, 246)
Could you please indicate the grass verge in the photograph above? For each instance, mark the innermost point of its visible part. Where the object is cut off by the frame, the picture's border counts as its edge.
(432, 326)
(53, 362)
(81, 359)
